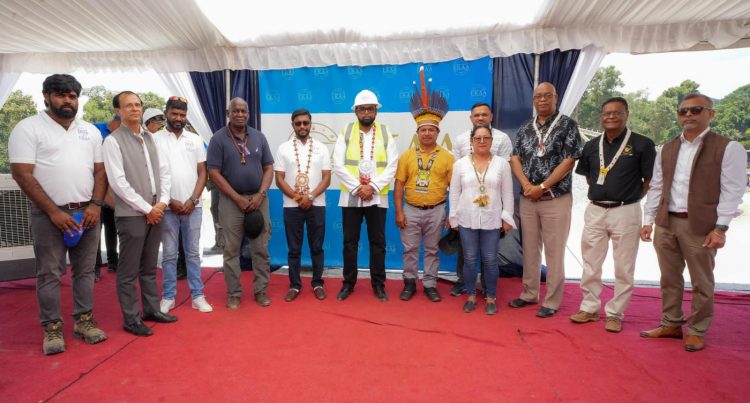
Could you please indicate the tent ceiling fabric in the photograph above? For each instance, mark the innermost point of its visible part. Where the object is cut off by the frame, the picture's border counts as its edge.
(41, 36)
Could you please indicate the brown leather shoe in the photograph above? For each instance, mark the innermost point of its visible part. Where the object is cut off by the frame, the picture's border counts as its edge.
(662, 332)
(233, 302)
(583, 317)
(694, 343)
(262, 299)
(614, 324)
(290, 295)
(320, 293)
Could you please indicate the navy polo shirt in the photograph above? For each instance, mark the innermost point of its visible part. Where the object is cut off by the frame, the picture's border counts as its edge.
(224, 155)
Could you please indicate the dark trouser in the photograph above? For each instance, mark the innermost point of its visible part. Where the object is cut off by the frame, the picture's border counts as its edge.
(295, 220)
(219, 236)
(181, 263)
(49, 252)
(139, 251)
(352, 225)
(110, 235)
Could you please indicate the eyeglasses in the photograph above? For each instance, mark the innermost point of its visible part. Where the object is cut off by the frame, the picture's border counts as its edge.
(367, 108)
(694, 110)
(482, 139)
(547, 95)
(612, 114)
(302, 123)
(176, 98)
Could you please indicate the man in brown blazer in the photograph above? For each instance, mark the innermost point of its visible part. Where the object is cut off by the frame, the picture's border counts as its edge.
(697, 185)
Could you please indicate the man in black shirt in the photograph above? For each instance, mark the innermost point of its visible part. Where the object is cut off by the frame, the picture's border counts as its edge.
(618, 167)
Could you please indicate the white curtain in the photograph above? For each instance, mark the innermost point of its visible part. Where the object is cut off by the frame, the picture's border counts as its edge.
(588, 63)
(181, 85)
(7, 82)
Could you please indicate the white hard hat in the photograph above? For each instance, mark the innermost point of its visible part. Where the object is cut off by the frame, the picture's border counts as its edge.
(151, 113)
(366, 97)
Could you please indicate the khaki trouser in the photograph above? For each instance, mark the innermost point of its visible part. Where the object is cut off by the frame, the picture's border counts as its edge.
(545, 223)
(623, 226)
(427, 226)
(232, 220)
(676, 245)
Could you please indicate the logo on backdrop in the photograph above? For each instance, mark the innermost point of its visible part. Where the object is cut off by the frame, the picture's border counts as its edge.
(404, 95)
(390, 71)
(288, 73)
(445, 92)
(478, 93)
(305, 96)
(354, 72)
(321, 73)
(273, 97)
(460, 68)
(338, 96)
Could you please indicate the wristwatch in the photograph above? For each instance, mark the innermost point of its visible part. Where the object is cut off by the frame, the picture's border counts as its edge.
(720, 227)
(263, 193)
(541, 185)
(97, 202)
(195, 200)
(310, 196)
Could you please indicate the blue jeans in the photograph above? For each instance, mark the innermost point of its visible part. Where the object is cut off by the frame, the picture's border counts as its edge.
(190, 227)
(295, 220)
(480, 244)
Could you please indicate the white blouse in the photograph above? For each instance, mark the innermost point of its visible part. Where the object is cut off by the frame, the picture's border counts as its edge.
(464, 189)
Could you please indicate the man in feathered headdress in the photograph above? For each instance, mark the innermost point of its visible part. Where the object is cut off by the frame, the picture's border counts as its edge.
(422, 177)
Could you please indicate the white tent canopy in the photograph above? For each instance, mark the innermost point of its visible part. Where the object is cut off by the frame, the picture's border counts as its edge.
(171, 36)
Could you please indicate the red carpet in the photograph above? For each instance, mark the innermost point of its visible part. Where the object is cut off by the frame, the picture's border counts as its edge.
(363, 350)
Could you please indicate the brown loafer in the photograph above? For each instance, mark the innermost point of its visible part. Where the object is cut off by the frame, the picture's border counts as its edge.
(262, 299)
(320, 293)
(583, 317)
(694, 343)
(663, 332)
(291, 295)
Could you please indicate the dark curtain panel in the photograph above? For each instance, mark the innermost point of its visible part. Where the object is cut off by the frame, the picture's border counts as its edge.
(210, 90)
(513, 82)
(557, 67)
(244, 84)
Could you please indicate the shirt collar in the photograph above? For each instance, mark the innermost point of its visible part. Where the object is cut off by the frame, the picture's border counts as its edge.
(49, 120)
(698, 139)
(437, 148)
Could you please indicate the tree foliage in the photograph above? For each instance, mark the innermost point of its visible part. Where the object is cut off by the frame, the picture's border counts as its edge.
(733, 115)
(18, 107)
(605, 84)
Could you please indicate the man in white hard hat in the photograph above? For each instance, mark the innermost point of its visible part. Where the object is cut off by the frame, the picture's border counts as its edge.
(364, 159)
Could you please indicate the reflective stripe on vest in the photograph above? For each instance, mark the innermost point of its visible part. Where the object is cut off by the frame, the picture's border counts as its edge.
(351, 158)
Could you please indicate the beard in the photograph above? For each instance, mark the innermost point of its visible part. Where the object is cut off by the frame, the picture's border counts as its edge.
(175, 125)
(366, 121)
(302, 133)
(64, 111)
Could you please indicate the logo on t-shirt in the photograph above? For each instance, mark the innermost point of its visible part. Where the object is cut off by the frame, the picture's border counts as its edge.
(83, 134)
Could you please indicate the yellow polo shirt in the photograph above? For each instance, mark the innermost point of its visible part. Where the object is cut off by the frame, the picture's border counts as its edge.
(440, 176)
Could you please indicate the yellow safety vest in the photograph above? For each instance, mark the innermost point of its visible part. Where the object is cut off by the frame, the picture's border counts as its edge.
(351, 161)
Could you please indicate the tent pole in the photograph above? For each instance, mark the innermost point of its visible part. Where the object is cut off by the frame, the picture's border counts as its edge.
(228, 85)
(537, 57)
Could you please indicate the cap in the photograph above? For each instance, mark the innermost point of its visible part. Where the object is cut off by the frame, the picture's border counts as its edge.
(72, 241)
(366, 97)
(428, 107)
(253, 224)
(151, 113)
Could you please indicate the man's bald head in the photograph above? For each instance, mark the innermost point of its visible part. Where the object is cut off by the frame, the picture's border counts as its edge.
(238, 113)
(545, 99)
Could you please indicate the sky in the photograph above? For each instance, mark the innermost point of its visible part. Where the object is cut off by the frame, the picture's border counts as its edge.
(718, 72)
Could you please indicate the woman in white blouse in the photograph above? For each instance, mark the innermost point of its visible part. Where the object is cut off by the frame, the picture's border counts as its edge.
(481, 207)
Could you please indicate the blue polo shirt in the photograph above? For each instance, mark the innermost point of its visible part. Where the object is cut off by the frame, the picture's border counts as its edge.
(223, 155)
(103, 128)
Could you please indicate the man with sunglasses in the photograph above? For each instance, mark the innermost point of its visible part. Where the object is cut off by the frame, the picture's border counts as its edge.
(697, 186)
(303, 173)
(364, 159)
(617, 166)
(543, 157)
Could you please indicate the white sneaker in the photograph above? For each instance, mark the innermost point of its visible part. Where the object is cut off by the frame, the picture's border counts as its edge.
(166, 305)
(202, 305)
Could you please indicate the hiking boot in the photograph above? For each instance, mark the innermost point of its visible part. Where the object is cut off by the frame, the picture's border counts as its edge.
(262, 299)
(87, 329)
(583, 317)
(53, 338)
(410, 287)
(233, 302)
(614, 324)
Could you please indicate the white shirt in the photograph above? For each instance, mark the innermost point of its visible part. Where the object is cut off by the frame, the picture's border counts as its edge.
(63, 159)
(501, 145)
(465, 188)
(378, 181)
(733, 181)
(183, 155)
(119, 183)
(320, 161)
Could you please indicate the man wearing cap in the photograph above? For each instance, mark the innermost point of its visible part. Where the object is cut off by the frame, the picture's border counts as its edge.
(695, 192)
(617, 166)
(138, 174)
(183, 218)
(480, 115)
(56, 160)
(240, 163)
(303, 173)
(364, 159)
(153, 120)
(422, 177)
(543, 157)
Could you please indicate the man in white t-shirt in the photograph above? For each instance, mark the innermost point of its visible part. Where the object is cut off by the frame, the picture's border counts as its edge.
(481, 115)
(303, 173)
(56, 159)
(186, 156)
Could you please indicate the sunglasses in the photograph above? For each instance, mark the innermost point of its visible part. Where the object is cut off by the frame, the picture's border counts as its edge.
(694, 110)
(303, 123)
(176, 98)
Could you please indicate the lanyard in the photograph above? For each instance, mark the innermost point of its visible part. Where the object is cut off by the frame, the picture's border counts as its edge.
(542, 137)
(242, 151)
(603, 171)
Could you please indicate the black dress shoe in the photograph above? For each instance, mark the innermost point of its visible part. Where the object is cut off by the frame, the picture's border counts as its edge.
(410, 287)
(159, 317)
(545, 312)
(345, 292)
(490, 308)
(519, 303)
(139, 329)
(432, 294)
(380, 294)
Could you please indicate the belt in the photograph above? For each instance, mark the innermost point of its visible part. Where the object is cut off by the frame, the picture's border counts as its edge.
(427, 207)
(678, 215)
(546, 197)
(74, 206)
(612, 204)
